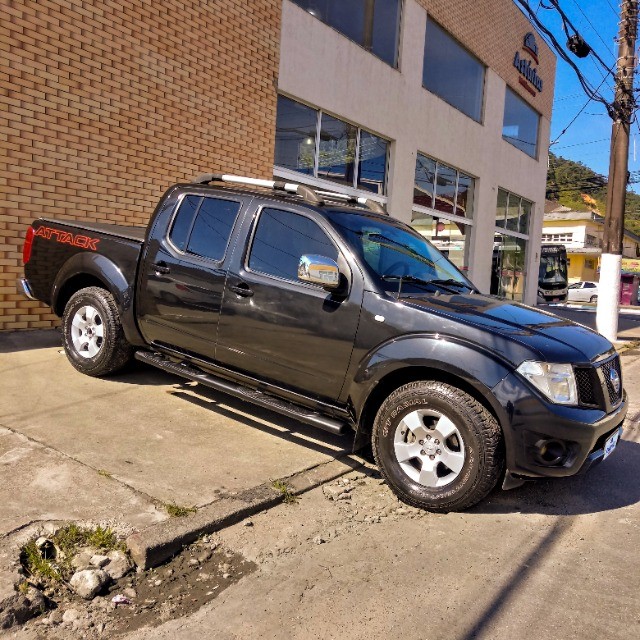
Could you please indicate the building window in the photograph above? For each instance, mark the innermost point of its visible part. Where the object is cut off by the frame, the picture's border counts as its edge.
(508, 271)
(513, 212)
(520, 124)
(508, 274)
(558, 237)
(320, 145)
(373, 24)
(448, 193)
(450, 237)
(451, 72)
(443, 188)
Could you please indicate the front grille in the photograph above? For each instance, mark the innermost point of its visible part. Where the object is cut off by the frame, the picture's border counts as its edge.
(595, 387)
(584, 382)
(607, 368)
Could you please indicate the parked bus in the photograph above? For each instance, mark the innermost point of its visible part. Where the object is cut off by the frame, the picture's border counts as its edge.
(552, 275)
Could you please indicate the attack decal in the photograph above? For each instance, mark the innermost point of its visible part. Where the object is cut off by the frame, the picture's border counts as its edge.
(84, 242)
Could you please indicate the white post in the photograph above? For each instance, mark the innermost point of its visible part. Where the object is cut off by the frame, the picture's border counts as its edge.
(609, 296)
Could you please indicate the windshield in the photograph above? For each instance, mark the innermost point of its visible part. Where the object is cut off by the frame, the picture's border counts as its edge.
(398, 256)
(553, 268)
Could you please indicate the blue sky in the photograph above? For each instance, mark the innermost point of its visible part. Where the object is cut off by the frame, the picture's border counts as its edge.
(587, 139)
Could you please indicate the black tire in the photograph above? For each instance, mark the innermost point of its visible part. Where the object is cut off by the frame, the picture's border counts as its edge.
(481, 448)
(93, 354)
(593, 299)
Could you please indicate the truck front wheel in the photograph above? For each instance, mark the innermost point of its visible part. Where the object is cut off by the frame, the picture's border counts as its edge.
(437, 447)
(92, 333)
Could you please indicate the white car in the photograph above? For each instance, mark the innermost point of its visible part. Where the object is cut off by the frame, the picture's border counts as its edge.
(583, 292)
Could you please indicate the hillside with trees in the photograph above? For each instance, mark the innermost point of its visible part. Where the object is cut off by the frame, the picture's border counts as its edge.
(574, 185)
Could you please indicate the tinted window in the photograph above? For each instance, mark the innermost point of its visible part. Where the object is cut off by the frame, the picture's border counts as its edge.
(280, 240)
(337, 153)
(453, 190)
(451, 72)
(373, 162)
(183, 221)
(589, 285)
(212, 228)
(296, 126)
(520, 124)
(373, 24)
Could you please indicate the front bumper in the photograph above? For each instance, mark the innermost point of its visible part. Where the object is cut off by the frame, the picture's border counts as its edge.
(577, 435)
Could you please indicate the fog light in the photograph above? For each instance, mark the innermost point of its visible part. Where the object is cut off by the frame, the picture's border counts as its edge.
(551, 452)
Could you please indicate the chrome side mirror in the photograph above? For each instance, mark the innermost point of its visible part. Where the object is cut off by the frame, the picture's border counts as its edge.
(319, 270)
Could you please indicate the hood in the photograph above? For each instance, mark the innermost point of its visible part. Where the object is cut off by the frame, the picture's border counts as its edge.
(553, 338)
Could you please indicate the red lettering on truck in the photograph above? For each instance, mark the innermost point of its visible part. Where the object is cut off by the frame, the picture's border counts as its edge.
(84, 242)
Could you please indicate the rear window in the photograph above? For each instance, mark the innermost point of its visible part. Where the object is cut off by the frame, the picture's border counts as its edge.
(203, 226)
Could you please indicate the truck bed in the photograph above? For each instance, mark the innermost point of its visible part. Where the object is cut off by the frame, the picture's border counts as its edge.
(134, 233)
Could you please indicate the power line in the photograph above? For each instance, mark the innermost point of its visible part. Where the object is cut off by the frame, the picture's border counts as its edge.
(591, 25)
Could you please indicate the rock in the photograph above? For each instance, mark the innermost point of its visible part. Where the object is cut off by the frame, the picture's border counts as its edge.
(55, 617)
(344, 496)
(168, 573)
(89, 582)
(99, 561)
(82, 559)
(119, 564)
(22, 607)
(70, 616)
(248, 523)
(318, 540)
(203, 557)
(193, 562)
(226, 575)
(332, 491)
(130, 592)
(157, 583)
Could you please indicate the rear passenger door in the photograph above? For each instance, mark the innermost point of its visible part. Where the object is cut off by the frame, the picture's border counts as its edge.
(274, 326)
(183, 274)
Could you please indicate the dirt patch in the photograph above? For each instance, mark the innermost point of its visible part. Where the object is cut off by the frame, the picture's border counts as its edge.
(147, 598)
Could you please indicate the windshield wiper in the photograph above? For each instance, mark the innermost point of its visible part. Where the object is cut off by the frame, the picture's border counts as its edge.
(450, 281)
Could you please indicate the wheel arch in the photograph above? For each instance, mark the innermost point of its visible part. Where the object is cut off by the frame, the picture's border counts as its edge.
(88, 270)
(404, 375)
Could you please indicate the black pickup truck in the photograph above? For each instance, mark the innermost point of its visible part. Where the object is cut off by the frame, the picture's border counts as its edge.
(324, 308)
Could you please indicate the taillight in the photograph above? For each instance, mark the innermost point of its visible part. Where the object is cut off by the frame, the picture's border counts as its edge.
(26, 249)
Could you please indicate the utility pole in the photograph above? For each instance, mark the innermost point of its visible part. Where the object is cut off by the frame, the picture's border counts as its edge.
(623, 108)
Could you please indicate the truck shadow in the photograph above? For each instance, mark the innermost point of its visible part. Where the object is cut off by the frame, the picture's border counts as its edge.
(611, 485)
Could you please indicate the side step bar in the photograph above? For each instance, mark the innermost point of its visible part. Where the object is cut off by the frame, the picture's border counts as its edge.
(254, 396)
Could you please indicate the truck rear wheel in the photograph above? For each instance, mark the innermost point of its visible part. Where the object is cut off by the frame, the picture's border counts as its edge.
(437, 447)
(92, 333)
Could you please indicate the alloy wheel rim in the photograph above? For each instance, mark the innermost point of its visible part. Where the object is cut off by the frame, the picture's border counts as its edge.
(429, 448)
(87, 331)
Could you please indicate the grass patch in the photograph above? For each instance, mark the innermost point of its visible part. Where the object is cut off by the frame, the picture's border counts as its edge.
(176, 511)
(283, 488)
(37, 565)
(104, 473)
(67, 541)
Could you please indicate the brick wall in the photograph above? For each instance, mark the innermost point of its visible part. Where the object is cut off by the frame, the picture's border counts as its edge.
(103, 105)
(489, 29)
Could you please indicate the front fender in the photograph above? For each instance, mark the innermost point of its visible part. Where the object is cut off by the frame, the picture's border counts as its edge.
(111, 276)
(478, 367)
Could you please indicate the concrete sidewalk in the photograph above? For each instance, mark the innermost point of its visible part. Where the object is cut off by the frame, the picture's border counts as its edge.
(79, 448)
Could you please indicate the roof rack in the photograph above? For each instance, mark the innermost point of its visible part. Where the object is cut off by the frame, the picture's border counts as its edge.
(308, 194)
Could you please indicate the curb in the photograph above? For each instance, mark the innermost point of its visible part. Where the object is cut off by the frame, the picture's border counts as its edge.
(152, 546)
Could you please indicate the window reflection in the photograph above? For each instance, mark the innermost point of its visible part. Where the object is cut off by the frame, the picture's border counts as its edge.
(441, 187)
(451, 72)
(296, 126)
(373, 24)
(449, 236)
(520, 124)
(508, 267)
(338, 151)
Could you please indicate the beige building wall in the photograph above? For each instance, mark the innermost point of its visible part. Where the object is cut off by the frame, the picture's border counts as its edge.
(323, 68)
(103, 105)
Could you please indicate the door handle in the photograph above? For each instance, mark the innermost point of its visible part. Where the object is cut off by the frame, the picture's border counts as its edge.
(161, 267)
(241, 289)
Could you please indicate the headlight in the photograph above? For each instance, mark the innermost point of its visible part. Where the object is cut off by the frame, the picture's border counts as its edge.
(555, 381)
